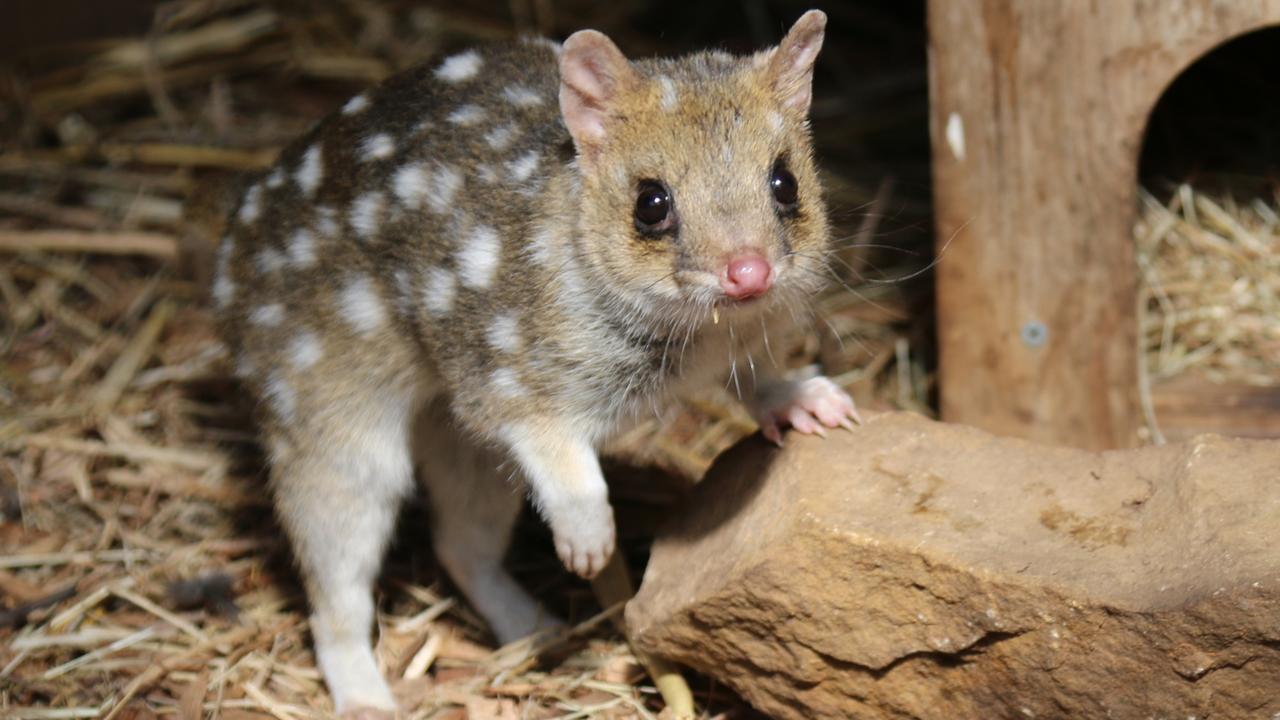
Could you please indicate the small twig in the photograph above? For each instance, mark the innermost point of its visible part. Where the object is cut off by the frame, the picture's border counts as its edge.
(164, 247)
(134, 356)
(77, 217)
(69, 558)
(427, 616)
(38, 713)
(92, 637)
(612, 586)
(145, 633)
(168, 617)
(421, 661)
(179, 457)
(270, 704)
(188, 155)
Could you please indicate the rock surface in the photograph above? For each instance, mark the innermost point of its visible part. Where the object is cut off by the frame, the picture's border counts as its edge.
(913, 569)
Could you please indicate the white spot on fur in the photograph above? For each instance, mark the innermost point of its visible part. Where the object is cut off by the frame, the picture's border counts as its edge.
(267, 315)
(522, 168)
(224, 288)
(366, 213)
(669, 97)
(309, 171)
(445, 184)
(327, 222)
(413, 183)
(440, 288)
(404, 290)
(504, 333)
(460, 67)
(269, 260)
(501, 137)
(478, 260)
(506, 383)
(775, 120)
(410, 185)
(726, 154)
(545, 246)
(521, 96)
(378, 147)
(305, 350)
(244, 367)
(276, 178)
(224, 291)
(361, 307)
(355, 104)
(302, 248)
(249, 205)
(281, 397)
(486, 173)
(955, 135)
(466, 115)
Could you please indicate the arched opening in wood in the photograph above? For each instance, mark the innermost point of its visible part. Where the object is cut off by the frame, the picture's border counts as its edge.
(1208, 245)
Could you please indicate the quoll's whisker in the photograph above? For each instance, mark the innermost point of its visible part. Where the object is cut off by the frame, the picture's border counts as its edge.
(847, 287)
(937, 259)
(839, 246)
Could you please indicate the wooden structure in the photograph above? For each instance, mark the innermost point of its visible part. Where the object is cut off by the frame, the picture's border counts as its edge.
(1038, 111)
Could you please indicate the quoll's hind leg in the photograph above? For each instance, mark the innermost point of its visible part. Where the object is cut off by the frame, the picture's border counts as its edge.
(476, 499)
(338, 494)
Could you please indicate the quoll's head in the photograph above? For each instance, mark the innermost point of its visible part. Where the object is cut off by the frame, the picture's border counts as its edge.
(699, 185)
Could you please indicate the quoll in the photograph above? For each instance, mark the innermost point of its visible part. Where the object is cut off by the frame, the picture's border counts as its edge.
(487, 266)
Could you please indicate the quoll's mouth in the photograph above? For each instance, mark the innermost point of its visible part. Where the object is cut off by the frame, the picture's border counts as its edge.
(725, 306)
(728, 303)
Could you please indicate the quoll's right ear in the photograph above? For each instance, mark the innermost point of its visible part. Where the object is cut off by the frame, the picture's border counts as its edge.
(594, 75)
(791, 63)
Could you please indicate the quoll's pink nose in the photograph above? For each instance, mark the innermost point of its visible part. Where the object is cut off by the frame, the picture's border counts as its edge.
(747, 276)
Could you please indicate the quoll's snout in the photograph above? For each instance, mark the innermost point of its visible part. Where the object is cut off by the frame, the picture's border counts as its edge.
(747, 276)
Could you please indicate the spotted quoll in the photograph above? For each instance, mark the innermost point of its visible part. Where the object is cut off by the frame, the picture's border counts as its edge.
(485, 267)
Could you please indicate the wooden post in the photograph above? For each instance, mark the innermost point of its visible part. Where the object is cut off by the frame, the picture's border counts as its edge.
(1038, 109)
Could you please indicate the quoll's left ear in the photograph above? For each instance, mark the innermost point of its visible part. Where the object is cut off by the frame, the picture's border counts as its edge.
(791, 63)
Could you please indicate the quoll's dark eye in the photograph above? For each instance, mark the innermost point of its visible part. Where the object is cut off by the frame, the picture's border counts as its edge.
(653, 205)
(783, 185)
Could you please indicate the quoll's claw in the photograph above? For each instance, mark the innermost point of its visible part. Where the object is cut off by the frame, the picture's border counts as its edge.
(810, 406)
(772, 432)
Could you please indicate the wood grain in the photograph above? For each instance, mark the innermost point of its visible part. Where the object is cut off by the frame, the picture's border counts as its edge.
(1190, 406)
(1038, 110)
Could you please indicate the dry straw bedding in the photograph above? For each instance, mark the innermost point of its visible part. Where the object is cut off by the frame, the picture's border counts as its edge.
(142, 574)
(1210, 273)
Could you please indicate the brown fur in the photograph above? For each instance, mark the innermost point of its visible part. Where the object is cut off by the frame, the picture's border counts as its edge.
(564, 320)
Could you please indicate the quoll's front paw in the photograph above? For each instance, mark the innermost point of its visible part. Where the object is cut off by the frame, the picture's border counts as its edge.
(584, 539)
(810, 406)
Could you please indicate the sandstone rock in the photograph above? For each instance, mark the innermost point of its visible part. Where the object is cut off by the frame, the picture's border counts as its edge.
(913, 569)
